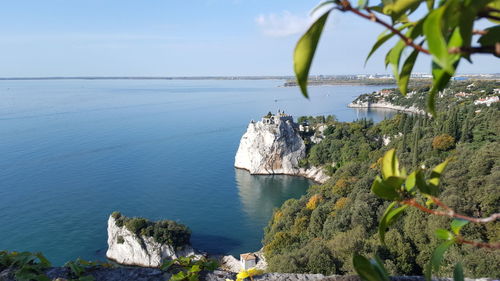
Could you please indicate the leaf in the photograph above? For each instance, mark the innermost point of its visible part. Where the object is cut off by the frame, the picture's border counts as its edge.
(411, 181)
(495, 5)
(383, 190)
(398, 8)
(395, 57)
(437, 258)
(179, 276)
(394, 182)
(458, 273)
(404, 76)
(43, 260)
(379, 266)
(362, 4)
(390, 164)
(365, 269)
(430, 5)
(439, 82)
(436, 173)
(382, 38)
(436, 41)
(195, 268)
(491, 37)
(321, 5)
(210, 265)
(305, 50)
(444, 234)
(167, 264)
(389, 218)
(457, 224)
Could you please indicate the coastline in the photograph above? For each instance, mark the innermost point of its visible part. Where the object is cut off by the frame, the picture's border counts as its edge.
(312, 174)
(386, 106)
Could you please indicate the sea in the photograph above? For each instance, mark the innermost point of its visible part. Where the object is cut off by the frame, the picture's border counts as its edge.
(73, 151)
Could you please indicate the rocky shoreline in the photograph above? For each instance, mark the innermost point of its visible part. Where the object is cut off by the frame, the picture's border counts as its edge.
(386, 105)
(315, 174)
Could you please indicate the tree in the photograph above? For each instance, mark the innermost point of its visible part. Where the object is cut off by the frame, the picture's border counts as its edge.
(445, 33)
(443, 142)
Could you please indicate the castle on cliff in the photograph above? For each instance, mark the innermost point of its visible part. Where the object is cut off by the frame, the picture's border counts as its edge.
(274, 118)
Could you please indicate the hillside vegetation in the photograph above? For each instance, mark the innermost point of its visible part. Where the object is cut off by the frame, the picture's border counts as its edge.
(320, 231)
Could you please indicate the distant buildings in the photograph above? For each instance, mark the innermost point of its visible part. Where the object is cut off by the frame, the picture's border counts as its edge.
(463, 95)
(488, 100)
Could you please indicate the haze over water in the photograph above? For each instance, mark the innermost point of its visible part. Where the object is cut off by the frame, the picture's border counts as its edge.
(73, 151)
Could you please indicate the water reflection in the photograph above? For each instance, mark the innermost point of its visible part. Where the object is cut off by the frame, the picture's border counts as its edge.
(376, 114)
(260, 194)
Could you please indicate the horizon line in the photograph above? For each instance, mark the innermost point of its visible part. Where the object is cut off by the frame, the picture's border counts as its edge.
(208, 77)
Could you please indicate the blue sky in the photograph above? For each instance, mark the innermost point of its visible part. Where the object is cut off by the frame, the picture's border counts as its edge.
(180, 38)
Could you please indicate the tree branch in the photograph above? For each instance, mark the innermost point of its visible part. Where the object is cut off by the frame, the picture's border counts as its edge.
(449, 212)
(476, 50)
(346, 6)
(478, 244)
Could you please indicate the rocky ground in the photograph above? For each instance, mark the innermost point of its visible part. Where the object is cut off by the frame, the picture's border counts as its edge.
(152, 274)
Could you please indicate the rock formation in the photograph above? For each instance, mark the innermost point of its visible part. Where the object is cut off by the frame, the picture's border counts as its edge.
(274, 146)
(384, 104)
(128, 248)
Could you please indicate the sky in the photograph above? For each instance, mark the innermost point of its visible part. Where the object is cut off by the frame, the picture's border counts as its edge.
(182, 38)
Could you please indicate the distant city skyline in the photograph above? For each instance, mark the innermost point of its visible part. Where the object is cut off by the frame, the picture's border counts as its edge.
(183, 38)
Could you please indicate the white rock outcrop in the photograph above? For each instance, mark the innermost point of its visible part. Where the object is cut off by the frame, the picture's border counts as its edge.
(127, 248)
(275, 147)
(365, 104)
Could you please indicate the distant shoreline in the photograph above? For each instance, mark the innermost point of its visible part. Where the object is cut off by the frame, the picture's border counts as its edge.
(150, 78)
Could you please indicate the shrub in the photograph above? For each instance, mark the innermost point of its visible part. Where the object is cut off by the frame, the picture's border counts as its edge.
(120, 239)
(313, 202)
(116, 215)
(443, 142)
(135, 225)
(341, 203)
(163, 232)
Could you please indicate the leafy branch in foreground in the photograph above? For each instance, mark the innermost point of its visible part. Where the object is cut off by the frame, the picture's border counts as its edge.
(406, 191)
(27, 266)
(445, 33)
(188, 268)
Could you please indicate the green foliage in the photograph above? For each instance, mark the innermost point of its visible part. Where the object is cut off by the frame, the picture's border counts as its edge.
(369, 270)
(79, 267)
(164, 231)
(188, 268)
(28, 266)
(445, 30)
(304, 52)
(120, 240)
(116, 215)
(469, 185)
(443, 142)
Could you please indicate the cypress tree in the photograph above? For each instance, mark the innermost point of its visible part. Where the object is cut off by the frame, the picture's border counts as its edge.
(414, 150)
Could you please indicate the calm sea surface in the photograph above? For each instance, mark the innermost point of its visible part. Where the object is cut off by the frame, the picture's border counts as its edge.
(73, 151)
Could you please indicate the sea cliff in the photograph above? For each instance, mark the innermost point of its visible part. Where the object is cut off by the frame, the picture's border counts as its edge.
(274, 146)
(140, 247)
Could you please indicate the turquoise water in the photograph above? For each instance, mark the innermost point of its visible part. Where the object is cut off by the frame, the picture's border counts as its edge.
(73, 151)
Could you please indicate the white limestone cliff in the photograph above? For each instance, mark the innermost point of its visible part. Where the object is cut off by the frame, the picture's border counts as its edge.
(274, 146)
(127, 248)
